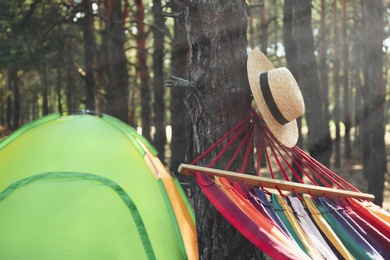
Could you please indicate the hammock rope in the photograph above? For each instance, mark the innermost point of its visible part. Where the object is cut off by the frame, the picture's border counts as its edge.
(278, 158)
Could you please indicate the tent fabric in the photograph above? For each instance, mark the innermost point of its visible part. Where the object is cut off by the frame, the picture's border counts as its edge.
(80, 187)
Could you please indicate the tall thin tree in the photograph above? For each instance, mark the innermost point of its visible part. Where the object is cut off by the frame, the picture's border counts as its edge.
(375, 165)
(159, 139)
(319, 141)
(336, 85)
(118, 83)
(179, 68)
(89, 53)
(346, 93)
(142, 70)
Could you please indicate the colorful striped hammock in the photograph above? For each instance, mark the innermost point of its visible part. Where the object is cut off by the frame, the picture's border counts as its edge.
(321, 216)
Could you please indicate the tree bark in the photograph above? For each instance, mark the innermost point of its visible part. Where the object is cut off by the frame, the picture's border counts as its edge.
(323, 66)
(89, 54)
(45, 92)
(70, 76)
(347, 93)
(13, 85)
(143, 72)
(264, 31)
(336, 85)
(179, 120)
(219, 99)
(160, 138)
(375, 166)
(290, 46)
(118, 78)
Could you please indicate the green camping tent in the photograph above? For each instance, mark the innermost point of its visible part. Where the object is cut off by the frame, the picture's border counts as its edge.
(86, 186)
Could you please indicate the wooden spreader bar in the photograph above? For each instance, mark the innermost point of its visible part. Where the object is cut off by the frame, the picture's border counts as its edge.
(252, 180)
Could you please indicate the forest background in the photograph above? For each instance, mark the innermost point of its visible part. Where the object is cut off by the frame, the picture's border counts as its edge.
(129, 59)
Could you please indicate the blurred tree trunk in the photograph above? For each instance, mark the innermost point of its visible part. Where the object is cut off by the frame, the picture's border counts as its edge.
(179, 68)
(347, 93)
(160, 138)
(45, 92)
(89, 54)
(375, 165)
(118, 78)
(58, 90)
(323, 66)
(219, 99)
(357, 69)
(142, 70)
(13, 86)
(70, 76)
(319, 143)
(336, 84)
(8, 113)
(263, 29)
(290, 46)
(251, 30)
(2, 104)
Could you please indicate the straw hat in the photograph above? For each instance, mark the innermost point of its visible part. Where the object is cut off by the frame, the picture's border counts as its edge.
(277, 96)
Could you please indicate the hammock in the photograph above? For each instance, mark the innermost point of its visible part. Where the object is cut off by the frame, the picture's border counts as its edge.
(318, 216)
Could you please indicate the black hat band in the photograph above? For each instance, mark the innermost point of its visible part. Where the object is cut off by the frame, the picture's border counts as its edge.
(269, 100)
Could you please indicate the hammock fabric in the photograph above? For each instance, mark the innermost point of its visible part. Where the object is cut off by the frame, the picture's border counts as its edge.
(320, 216)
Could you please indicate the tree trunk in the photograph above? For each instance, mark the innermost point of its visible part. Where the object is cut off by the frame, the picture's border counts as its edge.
(45, 92)
(319, 141)
(336, 84)
(290, 46)
(89, 54)
(58, 90)
(143, 70)
(219, 99)
(347, 109)
(14, 87)
(323, 66)
(179, 120)
(160, 138)
(251, 30)
(70, 76)
(2, 104)
(375, 168)
(8, 113)
(118, 85)
(264, 31)
(357, 64)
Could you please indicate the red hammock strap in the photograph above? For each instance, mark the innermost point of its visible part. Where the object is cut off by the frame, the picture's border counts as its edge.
(272, 147)
(259, 149)
(267, 158)
(333, 177)
(298, 163)
(248, 150)
(227, 146)
(239, 125)
(287, 160)
(248, 133)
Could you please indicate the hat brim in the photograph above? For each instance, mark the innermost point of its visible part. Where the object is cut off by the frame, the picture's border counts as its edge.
(258, 63)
